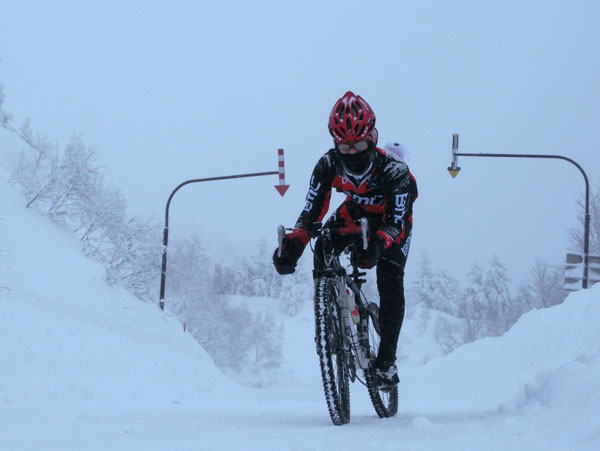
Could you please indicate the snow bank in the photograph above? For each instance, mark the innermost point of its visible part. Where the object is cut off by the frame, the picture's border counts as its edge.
(67, 338)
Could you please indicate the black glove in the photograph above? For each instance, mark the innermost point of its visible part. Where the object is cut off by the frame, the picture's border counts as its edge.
(291, 250)
(367, 258)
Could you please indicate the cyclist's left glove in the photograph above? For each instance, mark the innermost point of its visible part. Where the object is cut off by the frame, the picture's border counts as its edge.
(292, 247)
(369, 257)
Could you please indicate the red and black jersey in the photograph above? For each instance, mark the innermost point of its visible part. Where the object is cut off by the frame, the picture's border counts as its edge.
(384, 194)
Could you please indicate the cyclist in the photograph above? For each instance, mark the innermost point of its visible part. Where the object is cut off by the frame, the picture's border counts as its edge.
(378, 187)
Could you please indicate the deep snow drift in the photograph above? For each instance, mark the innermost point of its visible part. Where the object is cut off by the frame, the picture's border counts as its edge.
(87, 366)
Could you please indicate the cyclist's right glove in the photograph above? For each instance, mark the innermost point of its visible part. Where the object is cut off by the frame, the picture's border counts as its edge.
(292, 247)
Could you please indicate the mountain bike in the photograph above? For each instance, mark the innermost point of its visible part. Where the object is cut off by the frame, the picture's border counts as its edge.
(346, 324)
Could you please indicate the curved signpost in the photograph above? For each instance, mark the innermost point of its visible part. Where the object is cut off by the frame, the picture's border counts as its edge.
(281, 188)
(453, 169)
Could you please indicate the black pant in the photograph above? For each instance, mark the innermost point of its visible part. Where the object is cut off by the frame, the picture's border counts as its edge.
(390, 284)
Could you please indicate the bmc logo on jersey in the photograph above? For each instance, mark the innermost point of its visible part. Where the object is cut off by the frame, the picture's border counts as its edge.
(368, 200)
(400, 208)
(312, 193)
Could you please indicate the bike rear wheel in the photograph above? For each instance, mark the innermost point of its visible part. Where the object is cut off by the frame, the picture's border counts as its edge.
(330, 349)
(385, 402)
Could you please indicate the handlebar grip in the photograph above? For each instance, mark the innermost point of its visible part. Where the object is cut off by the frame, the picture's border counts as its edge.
(364, 227)
(280, 235)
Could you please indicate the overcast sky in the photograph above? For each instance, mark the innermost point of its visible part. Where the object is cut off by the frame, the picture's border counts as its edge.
(168, 91)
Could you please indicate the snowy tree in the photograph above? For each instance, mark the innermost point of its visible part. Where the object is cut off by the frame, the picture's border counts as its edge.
(256, 276)
(577, 234)
(77, 182)
(487, 305)
(294, 291)
(422, 285)
(191, 271)
(69, 188)
(133, 257)
(236, 338)
(449, 333)
(223, 279)
(544, 286)
(265, 338)
(37, 170)
(66, 186)
(104, 212)
(435, 287)
(5, 117)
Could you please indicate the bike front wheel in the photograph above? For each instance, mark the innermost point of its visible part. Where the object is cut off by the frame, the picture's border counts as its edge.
(331, 350)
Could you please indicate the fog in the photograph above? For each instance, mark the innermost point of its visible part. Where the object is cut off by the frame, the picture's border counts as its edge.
(167, 93)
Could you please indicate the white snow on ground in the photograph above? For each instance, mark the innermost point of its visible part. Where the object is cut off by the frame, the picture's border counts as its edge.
(85, 366)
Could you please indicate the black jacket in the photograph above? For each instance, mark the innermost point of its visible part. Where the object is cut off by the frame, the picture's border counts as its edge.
(384, 194)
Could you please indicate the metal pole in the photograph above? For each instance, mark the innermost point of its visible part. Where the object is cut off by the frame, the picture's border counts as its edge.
(163, 272)
(586, 232)
(586, 247)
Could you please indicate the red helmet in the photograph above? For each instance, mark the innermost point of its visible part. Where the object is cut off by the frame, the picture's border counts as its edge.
(351, 119)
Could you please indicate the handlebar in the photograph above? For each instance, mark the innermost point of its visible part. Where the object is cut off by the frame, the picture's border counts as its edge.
(360, 228)
(280, 235)
(364, 229)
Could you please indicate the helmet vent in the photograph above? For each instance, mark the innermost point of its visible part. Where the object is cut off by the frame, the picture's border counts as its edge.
(351, 118)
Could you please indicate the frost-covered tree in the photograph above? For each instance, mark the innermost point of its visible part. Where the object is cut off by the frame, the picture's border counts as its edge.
(69, 188)
(422, 285)
(255, 276)
(544, 287)
(104, 212)
(191, 272)
(37, 170)
(133, 257)
(236, 338)
(487, 305)
(435, 287)
(64, 185)
(577, 234)
(449, 332)
(5, 117)
(77, 183)
(246, 341)
(265, 339)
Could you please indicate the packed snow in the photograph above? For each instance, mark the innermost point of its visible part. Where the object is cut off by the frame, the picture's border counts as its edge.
(87, 366)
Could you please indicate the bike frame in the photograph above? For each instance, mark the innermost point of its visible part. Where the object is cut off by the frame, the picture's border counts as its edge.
(353, 333)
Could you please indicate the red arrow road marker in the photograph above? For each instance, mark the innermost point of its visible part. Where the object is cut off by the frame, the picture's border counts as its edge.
(282, 187)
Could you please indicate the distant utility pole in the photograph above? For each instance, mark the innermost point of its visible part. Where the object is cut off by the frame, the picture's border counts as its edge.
(281, 188)
(454, 170)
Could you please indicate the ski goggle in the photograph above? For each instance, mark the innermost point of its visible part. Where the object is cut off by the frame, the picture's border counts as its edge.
(360, 146)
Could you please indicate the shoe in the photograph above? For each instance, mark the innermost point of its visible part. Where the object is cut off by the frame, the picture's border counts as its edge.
(386, 376)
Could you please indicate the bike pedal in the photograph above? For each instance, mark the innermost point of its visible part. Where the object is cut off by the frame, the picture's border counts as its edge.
(361, 274)
(362, 280)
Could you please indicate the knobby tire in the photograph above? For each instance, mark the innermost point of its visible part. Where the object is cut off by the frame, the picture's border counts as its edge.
(330, 349)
